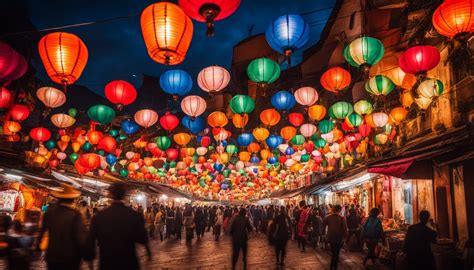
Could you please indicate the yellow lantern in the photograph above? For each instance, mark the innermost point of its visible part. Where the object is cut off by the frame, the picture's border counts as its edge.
(182, 138)
(261, 134)
(223, 158)
(316, 112)
(406, 98)
(244, 156)
(265, 154)
(398, 114)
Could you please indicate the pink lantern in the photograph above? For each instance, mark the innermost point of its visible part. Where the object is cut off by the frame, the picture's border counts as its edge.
(12, 64)
(380, 119)
(51, 97)
(193, 105)
(308, 130)
(213, 79)
(306, 96)
(6, 98)
(146, 118)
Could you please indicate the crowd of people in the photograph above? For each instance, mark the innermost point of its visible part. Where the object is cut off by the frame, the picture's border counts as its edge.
(74, 232)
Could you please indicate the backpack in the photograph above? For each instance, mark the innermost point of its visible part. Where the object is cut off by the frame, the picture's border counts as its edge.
(373, 228)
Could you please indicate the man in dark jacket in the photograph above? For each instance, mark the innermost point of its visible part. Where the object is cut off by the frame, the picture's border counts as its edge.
(239, 229)
(281, 232)
(117, 229)
(66, 231)
(418, 244)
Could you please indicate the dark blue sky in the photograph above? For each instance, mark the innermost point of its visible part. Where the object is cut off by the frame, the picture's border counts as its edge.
(117, 50)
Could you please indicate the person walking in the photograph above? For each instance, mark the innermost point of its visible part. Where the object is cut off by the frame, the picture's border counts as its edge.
(218, 223)
(150, 222)
(19, 247)
(281, 230)
(212, 218)
(116, 230)
(257, 218)
(353, 226)
(170, 216)
(372, 234)
(315, 223)
(188, 218)
(336, 233)
(160, 221)
(295, 217)
(302, 227)
(66, 231)
(199, 222)
(418, 243)
(178, 223)
(239, 230)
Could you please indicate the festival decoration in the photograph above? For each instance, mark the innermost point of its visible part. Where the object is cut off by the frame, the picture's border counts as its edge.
(325, 126)
(423, 103)
(90, 161)
(163, 142)
(240, 120)
(273, 141)
(340, 110)
(217, 119)
(354, 120)
(287, 34)
(12, 65)
(406, 98)
(398, 114)
(169, 122)
(19, 112)
(146, 118)
(379, 85)
(40, 134)
(195, 125)
(335, 79)
(453, 19)
(176, 82)
(316, 112)
(167, 32)
(101, 114)
(364, 52)
(245, 139)
(129, 126)
(120, 92)
(51, 97)
(270, 117)
(283, 100)
(288, 132)
(62, 120)
(363, 107)
(93, 137)
(182, 138)
(5, 97)
(419, 59)
(107, 143)
(430, 88)
(308, 130)
(380, 119)
(213, 79)
(260, 134)
(193, 106)
(296, 119)
(11, 127)
(306, 96)
(242, 104)
(263, 71)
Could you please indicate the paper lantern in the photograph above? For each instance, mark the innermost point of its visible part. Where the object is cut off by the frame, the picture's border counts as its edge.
(316, 112)
(263, 71)
(90, 161)
(398, 114)
(5, 97)
(64, 56)
(19, 112)
(308, 130)
(209, 11)
(273, 141)
(363, 107)
(62, 120)
(354, 120)
(325, 126)
(283, 100)
(244, 156)
(120, 92)
(270, 117)
(364, 52)
(306, 96)
(287, 33)
(51, 97)
(454, 18)
(217, 119)
(379, 85)
(335, 79)
(94, 136)
(201, 151)
(298, 140)
(296, 119)
(379, 119)
(12, 64)
(419, 59)
(11, 127)
(364, 130)
(260, 134)
(195, 125)
(242, 104)
(406, 98)
(163, 142)
(423, 103)
(101, 114)
(245, 139)
(182, 138)
(240, 120)
(176, 82)
(169, 122)
(288, 132)
(388, 66)
(167, 32)
(340, 110)
(380, 139)
(40, 134)
(430, 88)
(213, 79)
(220, 134)
(146, 118)
(108, 144)
(193, 105)
(129, 126)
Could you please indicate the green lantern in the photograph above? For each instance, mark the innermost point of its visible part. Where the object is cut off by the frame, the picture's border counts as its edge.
(113, 133)
(50, 144)
(163, 142)
(379, 85)
(72, 112)
(325, 126)
(340, 110)
(263, 71)
(355, 120)
(101, 114)
(73, 157)
(298, 140)
(123, 172)
(320, 143)
(87, 146)
(231, 149)
(304, 158)
(364, 52)
(242, 104)
(363, 107)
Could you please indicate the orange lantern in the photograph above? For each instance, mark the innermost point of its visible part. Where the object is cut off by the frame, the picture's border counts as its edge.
(270, 117)
(217, 119)
(398, 114)
(316, 112)
(94, 136)
(167, 32)
(406, 98)
(454, 18)
(240, 120)
(90, 161)
(260, 134)
(265, 154)
(62, 120)
(253, 147)
(64, 56)
(107, 143)
(369, 120)
(288, 132)
(182, 138)
(337, 134)
(335, 79)
(51, 97)
(11, 127)
(244, 156)
(409, 81)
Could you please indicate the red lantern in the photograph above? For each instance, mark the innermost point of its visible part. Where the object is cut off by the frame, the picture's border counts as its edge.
(108, 144)
(205, 141)
(94, 136)
(419, 59)
(364, 130)
(5, 98)
(40, 134)
(172, 154)
(169, 122)
(19, 112)
(12, 64)
(454, 18)
(335, 79)
(79, 168)
(296, 119)
(89, 161)
(120, 92)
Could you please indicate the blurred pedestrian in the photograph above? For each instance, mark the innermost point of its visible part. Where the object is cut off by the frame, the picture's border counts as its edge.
(372, 234)
(336, 233)
(188, 218)
(302, 227)
(170, 216)
(218, 223)
(353, 226)
(19, 247)
(281, 230)
(178, 223)
(239, 230)
(199, 222)
(418, 243)
(160, 221)
(150, 222)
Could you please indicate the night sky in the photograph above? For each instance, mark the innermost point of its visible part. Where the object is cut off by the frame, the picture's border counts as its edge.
(117, 50)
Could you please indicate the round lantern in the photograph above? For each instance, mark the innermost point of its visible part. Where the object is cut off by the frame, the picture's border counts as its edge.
(379, 119)
(12, 64)
(296, 119)
(364, 52)
(176, 82)
(101, 114)
(220, 134)
(244, 156)
(94, 136)
(64, 56)
(273, 141)
(316, 112)
(287, 33)
(209, 11)
(283, 100)
(379, 85)
(253, 147)
(244, 139)
(182, 138)
(308, 130)
(430, 88)
(242, 104)
(363, 107)
(19, 112)
(120, 92)
(217, 119)
(51, 97)
(240, 120)
(423, 102)
(335, 79)
(146, 118)
(213, 79)
(419, 59)
(260, 134)
(380, 139)
(40, 134)
(270, 117)
(354, 120)
(167, 32)
(388, 66)
(288, 132)
(263, 71)
(340, 110)
(11, 127)
(62, 120)
(193, 105)
(108, 144)
(306, 96)
(454, 18)
(169, 122)
(406, 98)
(195, 125)
(298, 140)
(364, 130)
(398, 114)
(129, 126)
(325, 126)
(89, 161)
(5, 97)
(320, 143)
(163, 142)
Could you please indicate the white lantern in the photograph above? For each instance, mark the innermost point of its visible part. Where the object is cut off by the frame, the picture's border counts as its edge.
(334, 147)
(308, 130)
(306, 96)
(430, 88)
(380, 119)
(51, 97)
(213, 79)
(381, 138)
(193, 105)
(423, 102)
(328, 137)
(201, 151)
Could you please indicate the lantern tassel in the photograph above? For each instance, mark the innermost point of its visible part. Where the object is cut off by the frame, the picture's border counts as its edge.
(210, 29)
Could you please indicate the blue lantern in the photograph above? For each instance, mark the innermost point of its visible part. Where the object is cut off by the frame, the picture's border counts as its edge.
(245, 139)
(272, 160)
(218, 167)
(110, 159)
(195, 125)
(287, 33)
(129, 126)
(254, 159)
(289, 151)
(283, 100)
(273, 141)
(176, 82)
